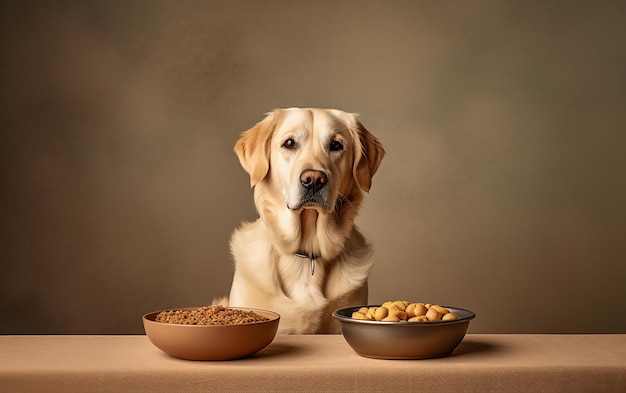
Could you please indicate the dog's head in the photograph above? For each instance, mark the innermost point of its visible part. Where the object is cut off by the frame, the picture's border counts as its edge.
(312, 156)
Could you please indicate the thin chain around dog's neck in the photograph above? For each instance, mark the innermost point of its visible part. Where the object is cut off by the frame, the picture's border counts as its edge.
(313, 257)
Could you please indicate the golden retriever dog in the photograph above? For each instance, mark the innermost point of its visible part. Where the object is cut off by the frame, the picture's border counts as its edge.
(303, 257)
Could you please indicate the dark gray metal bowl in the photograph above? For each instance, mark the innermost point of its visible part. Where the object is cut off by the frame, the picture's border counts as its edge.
(403, 340)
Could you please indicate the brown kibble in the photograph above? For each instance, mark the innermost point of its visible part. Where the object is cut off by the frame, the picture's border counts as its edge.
(420, 318)
(209, 315)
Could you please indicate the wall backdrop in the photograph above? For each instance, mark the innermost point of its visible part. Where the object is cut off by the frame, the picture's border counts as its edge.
(503, 189)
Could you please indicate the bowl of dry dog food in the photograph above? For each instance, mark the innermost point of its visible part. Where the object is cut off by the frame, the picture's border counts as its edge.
(403, 329)
(211, 332)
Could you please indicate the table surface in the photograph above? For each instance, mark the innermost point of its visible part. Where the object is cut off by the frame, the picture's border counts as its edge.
(482, 362)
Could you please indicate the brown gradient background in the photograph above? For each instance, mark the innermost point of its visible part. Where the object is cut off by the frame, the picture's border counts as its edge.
(503, 189)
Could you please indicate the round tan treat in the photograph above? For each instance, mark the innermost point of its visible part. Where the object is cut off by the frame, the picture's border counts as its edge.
(433, 315)
(381, 313)
(391, 318)
(371, 313)
(421, 318)
(358, 315)
(363, 310)
(428, 305)
(394, 310)
(449, 317)
(410, 310)
(420, 309)
(440, 310)
(400, 304)
(387, 304)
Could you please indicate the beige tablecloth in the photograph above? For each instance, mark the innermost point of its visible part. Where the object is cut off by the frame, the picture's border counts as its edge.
(483, 362)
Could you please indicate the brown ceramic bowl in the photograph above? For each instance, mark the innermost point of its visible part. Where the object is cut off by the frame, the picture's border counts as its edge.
(403, 340)
(211, 342)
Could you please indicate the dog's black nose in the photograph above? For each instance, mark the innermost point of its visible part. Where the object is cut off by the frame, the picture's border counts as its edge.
(313, 180)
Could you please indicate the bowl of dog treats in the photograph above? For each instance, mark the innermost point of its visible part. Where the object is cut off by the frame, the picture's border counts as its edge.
(403, 329)
(211, 332)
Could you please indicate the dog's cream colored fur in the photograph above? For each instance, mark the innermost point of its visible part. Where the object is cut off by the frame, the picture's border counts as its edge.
(268, 274)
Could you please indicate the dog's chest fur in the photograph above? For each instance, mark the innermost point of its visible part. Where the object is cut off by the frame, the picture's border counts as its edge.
(301, 298)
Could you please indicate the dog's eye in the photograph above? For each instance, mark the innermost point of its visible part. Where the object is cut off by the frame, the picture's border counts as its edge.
(336, 146)
(289, 143)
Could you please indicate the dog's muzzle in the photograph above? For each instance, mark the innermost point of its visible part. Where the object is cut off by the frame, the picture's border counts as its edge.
(313, 180)
(314, 190)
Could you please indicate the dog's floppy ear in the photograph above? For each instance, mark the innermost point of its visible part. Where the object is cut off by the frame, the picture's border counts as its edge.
(368, 154)
(253, 149)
